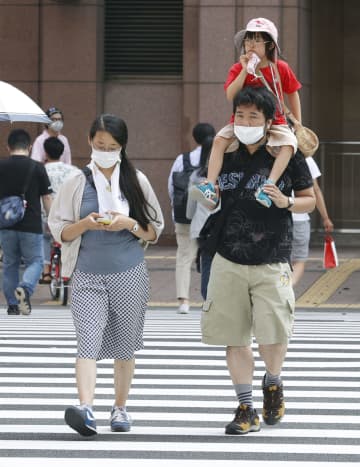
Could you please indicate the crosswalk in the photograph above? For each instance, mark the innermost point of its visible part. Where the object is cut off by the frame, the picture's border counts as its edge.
(181, 397)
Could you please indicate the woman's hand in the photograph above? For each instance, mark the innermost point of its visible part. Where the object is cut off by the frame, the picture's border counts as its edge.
(90, 223)
(119, 222)
(72, 231)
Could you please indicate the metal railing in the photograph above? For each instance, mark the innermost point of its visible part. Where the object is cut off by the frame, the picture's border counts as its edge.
(339, 162)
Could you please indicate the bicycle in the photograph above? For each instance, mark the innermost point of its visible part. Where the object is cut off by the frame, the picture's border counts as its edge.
(59, 285)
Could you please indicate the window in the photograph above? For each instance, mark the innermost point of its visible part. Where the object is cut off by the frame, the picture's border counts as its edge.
(143, 38)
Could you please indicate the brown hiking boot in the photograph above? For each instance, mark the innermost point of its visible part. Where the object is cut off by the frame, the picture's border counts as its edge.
(273, 405)
(245, 420)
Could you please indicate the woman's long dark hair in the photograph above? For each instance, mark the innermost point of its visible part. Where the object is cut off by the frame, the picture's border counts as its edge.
(204, 156)
(140, 209)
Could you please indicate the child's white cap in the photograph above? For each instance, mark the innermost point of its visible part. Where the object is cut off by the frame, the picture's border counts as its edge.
(264, 25)
(257, 25)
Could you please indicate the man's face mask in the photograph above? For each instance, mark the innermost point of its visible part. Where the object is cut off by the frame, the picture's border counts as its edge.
(249, 134)
(57, 125)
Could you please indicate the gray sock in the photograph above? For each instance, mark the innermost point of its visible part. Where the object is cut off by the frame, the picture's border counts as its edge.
(244, 394)
(272, 380)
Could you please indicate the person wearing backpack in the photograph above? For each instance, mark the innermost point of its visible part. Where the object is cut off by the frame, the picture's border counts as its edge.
(178, 183)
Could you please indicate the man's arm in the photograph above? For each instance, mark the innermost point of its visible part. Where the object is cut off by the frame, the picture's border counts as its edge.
(321, 207)
(47, 200)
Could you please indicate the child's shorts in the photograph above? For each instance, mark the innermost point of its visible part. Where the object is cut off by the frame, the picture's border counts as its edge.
(279, 135)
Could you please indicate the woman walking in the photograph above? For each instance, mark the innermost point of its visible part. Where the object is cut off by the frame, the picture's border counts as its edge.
(101, 216)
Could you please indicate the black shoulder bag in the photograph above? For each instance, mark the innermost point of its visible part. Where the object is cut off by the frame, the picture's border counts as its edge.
(12, 208)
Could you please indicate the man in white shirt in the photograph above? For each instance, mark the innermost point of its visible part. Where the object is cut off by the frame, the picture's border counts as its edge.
(57, 172)
(186, 246)
(53, 129)
(301, 230)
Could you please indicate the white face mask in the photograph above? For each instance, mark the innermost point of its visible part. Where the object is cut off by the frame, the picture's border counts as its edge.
(105, 159)
(249, 134)
(57, 125)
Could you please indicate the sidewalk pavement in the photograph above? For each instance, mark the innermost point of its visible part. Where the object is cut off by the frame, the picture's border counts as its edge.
(335, 288)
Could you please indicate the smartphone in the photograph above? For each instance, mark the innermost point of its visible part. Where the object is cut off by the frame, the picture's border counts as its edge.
(103, 220)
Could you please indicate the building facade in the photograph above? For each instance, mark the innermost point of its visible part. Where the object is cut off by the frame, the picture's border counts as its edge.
(127, 57)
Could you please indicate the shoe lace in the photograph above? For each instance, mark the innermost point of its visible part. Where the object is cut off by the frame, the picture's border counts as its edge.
(273, 398)
(120, 415)
(242, 414)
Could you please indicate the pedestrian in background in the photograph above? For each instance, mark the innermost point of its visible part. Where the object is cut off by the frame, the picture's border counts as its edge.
(23, 241)
(302, 226)
(52, 129)
(58, 172)
(186, 246)
(99, 216)
(198, 213)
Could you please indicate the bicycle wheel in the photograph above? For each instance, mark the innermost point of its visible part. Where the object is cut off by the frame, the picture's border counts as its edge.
(55, 283)
(64, 292)
(55, 287)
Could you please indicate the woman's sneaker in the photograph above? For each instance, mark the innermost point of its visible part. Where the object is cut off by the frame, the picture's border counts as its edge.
(245, 420)
(205, 194)
(81, 419)
(120, 420)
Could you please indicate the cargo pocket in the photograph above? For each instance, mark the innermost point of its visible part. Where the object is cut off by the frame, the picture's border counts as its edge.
(291, 317)
(206, 316)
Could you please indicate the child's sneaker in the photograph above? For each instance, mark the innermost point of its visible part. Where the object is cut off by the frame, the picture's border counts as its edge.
(262, 197)
(204, 193)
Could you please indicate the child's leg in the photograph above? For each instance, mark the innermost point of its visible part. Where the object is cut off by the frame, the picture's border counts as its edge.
(216, 158)
(280, 164)
(205, 192)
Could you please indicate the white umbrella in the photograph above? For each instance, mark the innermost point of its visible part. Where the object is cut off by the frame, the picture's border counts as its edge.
(16, 106)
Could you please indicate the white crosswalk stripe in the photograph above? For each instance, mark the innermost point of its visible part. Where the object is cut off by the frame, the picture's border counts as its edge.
(181, 397)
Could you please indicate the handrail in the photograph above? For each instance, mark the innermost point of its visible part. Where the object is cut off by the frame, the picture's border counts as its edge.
(339, 187)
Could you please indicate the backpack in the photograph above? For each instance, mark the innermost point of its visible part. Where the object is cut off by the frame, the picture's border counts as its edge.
(181, 185)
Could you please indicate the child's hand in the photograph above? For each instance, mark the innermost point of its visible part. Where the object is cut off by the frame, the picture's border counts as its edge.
(244, 60)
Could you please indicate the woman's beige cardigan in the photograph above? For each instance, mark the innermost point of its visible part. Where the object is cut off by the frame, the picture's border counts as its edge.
(65, 210)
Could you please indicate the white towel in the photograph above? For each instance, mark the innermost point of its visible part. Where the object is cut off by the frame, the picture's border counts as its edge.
(109, 195)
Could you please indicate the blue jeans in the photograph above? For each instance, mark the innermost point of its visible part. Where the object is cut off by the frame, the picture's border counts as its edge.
(16, 246)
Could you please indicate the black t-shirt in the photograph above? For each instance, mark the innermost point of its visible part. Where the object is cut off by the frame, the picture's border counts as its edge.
(252, 233)
(13, 172)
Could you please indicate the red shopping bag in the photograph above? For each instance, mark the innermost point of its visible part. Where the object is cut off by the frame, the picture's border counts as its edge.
(330, 256)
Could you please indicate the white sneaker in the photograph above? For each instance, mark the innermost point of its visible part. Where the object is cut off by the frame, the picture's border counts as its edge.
(183, 309)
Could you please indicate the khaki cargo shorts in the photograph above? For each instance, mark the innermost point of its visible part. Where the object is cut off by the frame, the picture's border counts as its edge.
(245, 301)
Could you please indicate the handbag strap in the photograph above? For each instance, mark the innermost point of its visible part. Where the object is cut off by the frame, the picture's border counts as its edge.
(28, 177)
(283, 107)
